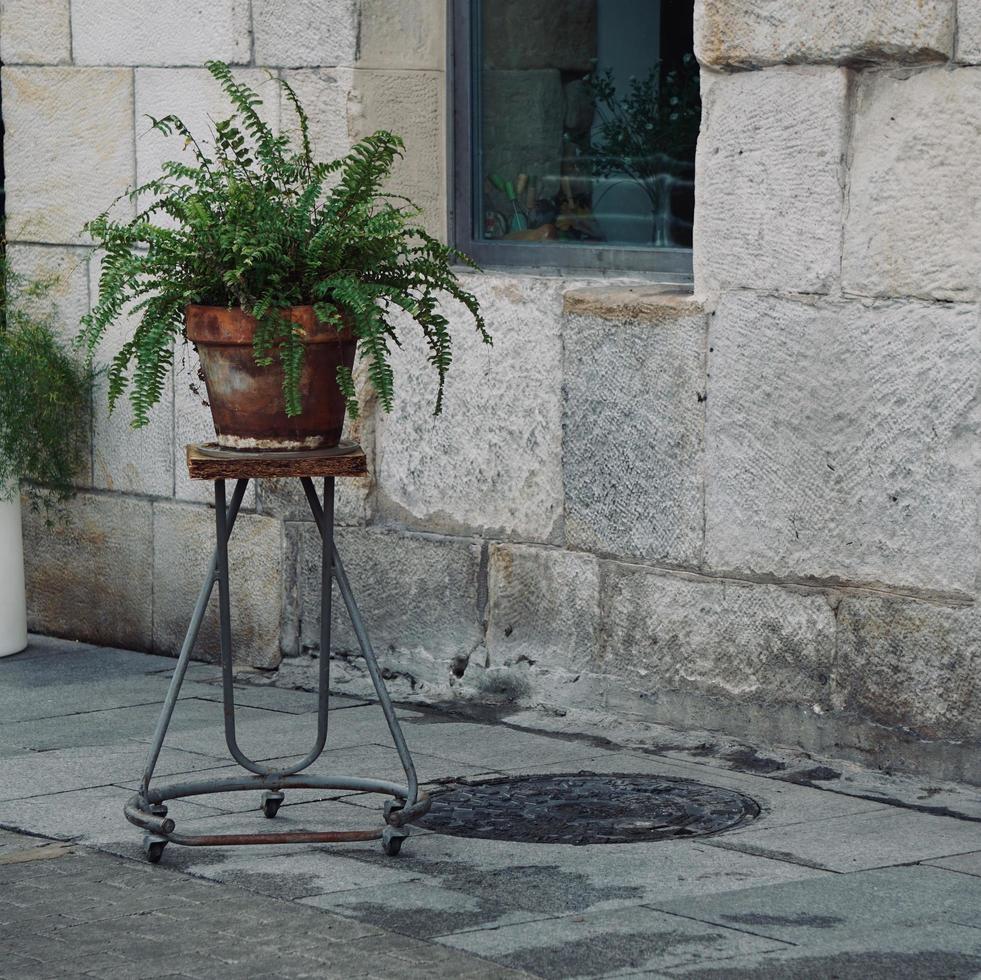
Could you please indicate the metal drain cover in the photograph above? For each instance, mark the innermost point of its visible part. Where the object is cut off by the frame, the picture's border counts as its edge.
(587, 808)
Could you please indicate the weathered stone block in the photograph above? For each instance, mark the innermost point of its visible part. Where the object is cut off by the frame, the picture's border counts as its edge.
(915, 143)
(197, 98)
(305, 33)
(418, 596)
(402, 34)
(540, 34)
(968, 32)
(183, 542)
(92, 578)
(68, 149)
(409, 103)
(493, 461)
(770, 176)
(633, 424)
(35, 32)
(717, 637)
(123, 458)
(166, 32)
(325, 95)
(65, 273)
(523, 114)
(752, 34)
(543, 610)
(841, 441)
(910, 664)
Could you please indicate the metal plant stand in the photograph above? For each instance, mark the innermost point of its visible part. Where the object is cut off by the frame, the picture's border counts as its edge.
(148, 808)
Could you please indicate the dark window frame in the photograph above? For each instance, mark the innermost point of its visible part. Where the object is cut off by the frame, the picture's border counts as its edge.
(672, 265)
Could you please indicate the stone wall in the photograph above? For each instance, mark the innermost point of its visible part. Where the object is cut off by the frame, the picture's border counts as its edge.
(754, 510)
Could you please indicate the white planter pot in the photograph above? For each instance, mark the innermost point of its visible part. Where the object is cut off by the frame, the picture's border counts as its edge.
(13, 601)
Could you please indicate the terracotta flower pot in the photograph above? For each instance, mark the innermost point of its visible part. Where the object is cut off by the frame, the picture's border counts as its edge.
(247, 400)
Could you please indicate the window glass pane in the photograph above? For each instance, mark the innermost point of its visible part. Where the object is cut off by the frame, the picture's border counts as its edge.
(586, 117)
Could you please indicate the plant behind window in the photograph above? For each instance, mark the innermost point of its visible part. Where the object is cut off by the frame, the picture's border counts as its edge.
(263, 226)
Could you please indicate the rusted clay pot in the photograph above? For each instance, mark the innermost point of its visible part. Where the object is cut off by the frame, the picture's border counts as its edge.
(247, 400)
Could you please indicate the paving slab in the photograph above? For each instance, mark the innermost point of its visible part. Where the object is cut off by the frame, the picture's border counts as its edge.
(98, 915)
(860, 841)
(285, 871)
(274, 698)
(814, 911)
(491, 746)
(420, 908)
(968, 864)
(278, 734)
(924, 953)
(110, 725)
(93, 816)
(503, 877)
(607, 943)
(41, 773)
(365, 761)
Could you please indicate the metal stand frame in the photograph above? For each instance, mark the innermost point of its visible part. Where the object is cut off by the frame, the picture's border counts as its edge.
(147, 809)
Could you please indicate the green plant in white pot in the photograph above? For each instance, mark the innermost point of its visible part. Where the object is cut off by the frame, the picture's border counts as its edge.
(44, 411)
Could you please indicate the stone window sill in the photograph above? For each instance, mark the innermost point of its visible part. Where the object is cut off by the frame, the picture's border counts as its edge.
(642, 301)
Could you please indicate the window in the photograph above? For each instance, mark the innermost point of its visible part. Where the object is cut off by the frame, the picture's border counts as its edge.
(575, 124)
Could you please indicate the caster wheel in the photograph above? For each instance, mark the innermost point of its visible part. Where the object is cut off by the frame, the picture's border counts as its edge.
(390, 807)
(153, 848)
(271, 802)
(392, 840)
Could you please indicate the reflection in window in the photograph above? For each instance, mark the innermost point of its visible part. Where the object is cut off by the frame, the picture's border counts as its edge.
(588, 116)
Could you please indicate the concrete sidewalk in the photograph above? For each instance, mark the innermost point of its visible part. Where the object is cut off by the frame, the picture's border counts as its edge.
(832, 880)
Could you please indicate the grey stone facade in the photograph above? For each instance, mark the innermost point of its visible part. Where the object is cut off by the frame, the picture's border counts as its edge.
(753, 510)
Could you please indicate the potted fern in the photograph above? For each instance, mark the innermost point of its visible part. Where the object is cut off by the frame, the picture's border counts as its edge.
(44, 402)
(277, 268)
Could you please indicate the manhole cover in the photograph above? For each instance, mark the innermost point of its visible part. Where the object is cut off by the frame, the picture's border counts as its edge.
(587, 808)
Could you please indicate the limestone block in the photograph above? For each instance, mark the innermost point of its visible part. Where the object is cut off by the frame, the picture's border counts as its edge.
(402, 34)
(35, 32)
(64, 299)
(196, 97)
(305, 33)
(523, 113)
(183, 542)
(769, 184)
(716, 637)
(912, 227)
(755, 33)
(165, 32)
(492, 461)
(540, 34)
(68, 149)
(65, 273)
(543, 609)
(409, 103)
(841, 441)
(968, 32)
(911, 664)
(91, 579)
(123, 458)
(418, 596)
(325, 95)
(633, 423)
